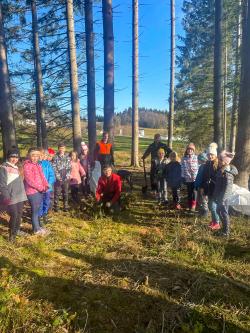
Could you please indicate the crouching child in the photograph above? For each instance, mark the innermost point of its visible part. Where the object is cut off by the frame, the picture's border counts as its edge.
(108, 191)
(223, 189)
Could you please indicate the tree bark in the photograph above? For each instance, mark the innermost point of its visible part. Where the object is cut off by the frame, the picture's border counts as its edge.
(90, 57)
(75, 105)
(225, 93)
(108, 38)
(42, 140)
(172, 76)
(135, 91)
(235, 106)
(218, 75)
(6, 109)
(242, 158)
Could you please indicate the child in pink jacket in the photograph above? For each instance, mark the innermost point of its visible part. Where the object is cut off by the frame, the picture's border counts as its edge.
(77, 172)
(35, 185)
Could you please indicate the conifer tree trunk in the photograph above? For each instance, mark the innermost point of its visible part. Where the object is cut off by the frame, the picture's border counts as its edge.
(42, 140)
(108, 38)
(90, 57)
(6, 110)
(135, 92)
(218, 73)
(75, 105)
(172, 75)
(242, 158)
(235, 106)
(225, 94)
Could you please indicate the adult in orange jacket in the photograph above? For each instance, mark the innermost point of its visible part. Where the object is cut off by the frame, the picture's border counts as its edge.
(104, 151)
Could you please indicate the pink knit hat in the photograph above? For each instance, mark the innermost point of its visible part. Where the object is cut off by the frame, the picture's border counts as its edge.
(226, 157)
(84, 146)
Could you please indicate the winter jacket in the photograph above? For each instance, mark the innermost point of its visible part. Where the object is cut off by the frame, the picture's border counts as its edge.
(198, 180)
(104, 153)
(189, 168)
(11, 185)
(62, 167)
(77, 172)
(85, 163)
(153, 150)
(160, 168)
(48, 173)
(209, 178)
(109, 189)
(34, 179)
(173, 174)
(224, 183)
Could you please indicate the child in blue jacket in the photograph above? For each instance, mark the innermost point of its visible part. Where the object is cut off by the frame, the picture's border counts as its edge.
(50, 176)
(202, 200)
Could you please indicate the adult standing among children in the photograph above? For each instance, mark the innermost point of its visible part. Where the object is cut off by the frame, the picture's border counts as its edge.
(62, 167)
(208, 183)
(35, 185)
(104, 151)
(13, 193)
(153, 150)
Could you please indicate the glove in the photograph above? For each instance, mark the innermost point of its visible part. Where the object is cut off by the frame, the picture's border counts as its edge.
(108, 204)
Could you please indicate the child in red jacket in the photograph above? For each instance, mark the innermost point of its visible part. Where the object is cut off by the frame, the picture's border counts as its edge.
(109, 190)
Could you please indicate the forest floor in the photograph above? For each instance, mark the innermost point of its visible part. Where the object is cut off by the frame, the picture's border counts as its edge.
(151, 270)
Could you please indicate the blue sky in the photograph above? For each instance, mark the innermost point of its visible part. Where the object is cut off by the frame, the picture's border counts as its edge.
(154, 53)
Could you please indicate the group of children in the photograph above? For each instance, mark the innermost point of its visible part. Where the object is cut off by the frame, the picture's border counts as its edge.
(45, 175)
(208, 178)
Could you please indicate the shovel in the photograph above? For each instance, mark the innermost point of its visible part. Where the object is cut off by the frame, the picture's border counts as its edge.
(145, 187)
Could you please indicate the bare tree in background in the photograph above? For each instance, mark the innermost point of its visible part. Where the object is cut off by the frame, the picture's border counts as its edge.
(6, 110)
(42, 140)
(135, 92)
(172, 76)
(75, 104)
(235, 106)
(242, 158)
(218, 74)
(108, 38)
(90, 57)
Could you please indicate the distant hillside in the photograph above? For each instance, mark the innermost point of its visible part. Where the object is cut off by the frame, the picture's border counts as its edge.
(148, 118)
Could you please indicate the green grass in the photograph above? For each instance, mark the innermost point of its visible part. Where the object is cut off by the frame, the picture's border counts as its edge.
(150, 270)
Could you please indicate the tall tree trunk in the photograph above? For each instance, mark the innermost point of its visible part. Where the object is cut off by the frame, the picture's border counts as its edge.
(135, 92)
(6, 110)
(108, 38)
(75, 105)
(235, 106)
(218, 75)
(172, 75)
(42, 140)
(225, 93)
(242, 158)
(90, 57)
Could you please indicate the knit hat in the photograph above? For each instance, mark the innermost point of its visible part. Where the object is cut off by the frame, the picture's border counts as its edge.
(226, 157)
(61, 144)
(13, 152)
(202, 157)
(51, 151)
(191, 146)
(212, 148)
(84, 146)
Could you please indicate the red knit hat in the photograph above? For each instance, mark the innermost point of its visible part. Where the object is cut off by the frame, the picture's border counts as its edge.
(51, 151)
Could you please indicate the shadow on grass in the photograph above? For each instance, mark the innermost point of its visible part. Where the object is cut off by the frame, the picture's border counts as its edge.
(138, 309)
